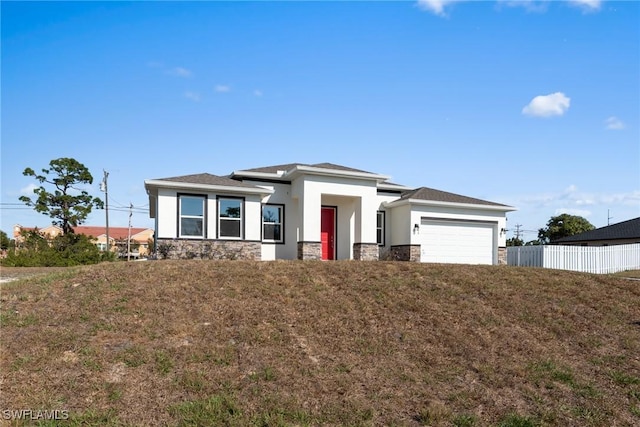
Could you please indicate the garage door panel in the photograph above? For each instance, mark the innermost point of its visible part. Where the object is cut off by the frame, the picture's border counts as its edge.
(456, 242)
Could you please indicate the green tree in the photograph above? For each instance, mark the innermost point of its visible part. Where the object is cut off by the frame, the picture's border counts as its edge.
(5, 242)
(563, 225)
(515, 241)
(67, 204)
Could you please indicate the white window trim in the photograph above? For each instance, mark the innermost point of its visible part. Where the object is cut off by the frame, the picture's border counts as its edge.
(203, 217)
(241, 219)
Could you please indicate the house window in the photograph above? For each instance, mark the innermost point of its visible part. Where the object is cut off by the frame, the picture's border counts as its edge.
(380, 228)
(192, 216)
(272, 230)
(230, 218)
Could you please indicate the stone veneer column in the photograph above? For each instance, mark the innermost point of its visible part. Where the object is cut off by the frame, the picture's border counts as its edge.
(406, 253)
(502, 255)
(365, 251)
(310, 250)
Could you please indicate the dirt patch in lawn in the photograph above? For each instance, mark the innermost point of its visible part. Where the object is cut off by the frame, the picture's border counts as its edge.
(14, 273)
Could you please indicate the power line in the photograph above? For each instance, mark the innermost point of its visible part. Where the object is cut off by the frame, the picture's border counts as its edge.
(123, 209)
(518, 232)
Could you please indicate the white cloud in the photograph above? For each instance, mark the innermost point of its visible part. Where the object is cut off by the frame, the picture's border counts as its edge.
(587, 5)
(194, 96)
(180, 72)
(28, 190)
(257, 92)
(554, 104)
(599, 207)
(436, 7)
(577, 212)
(627, 199)
(222, 88)
(572, 198)
(614, 123)
(538, 6)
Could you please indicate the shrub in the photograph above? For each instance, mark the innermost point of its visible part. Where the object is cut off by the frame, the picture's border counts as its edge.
(62, 251)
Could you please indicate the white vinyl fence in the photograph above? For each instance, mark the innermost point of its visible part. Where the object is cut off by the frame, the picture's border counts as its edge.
(588, 259)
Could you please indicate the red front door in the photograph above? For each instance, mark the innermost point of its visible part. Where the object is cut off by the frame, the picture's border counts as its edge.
(328, 233)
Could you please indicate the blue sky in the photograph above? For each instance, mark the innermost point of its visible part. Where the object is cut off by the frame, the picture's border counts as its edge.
(531, 104)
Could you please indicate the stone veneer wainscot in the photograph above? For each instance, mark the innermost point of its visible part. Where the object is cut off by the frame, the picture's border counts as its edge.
(365, 251)
(310, 250)
(406, 253)
(211, 249)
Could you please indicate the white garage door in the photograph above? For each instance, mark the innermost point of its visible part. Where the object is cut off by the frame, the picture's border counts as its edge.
(462, 242)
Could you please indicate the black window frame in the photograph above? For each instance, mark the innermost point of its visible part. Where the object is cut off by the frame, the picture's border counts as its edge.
(382, 228)
(219, 218)
(281, 223)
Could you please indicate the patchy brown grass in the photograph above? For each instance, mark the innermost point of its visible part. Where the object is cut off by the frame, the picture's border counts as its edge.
(24, 272)
(322, 343)
(632, 274)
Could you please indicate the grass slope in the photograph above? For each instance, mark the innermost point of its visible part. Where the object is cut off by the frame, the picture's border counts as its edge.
(322, 343)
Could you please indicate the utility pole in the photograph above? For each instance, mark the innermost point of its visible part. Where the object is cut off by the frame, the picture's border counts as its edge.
(129, 234)
(103, 187)
(609, 217)
(518, 230)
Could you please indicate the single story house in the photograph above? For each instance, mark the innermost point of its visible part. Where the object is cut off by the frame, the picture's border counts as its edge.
(321, 211)
(622, 233)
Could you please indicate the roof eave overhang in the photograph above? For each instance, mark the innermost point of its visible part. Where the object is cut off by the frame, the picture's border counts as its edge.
(393, 187)
(311, 170)
(258, 175)
(157, 183)
(420, 202)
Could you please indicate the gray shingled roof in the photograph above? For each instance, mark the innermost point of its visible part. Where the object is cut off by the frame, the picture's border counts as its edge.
(337, 167)
(289, 166)
(208, 179)
(424, 193)
(623, 230)
(275, 168)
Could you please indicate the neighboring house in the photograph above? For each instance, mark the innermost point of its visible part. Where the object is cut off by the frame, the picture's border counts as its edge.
(118, 236)
(622, 233)
(321, 211)
(140, 237)
(50, 232)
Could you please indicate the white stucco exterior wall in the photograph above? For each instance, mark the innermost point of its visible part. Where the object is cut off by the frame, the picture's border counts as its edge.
(252, 218)
(282, 195)
(167, 220)
(167, 214)
(312, 189)
(401, 225)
